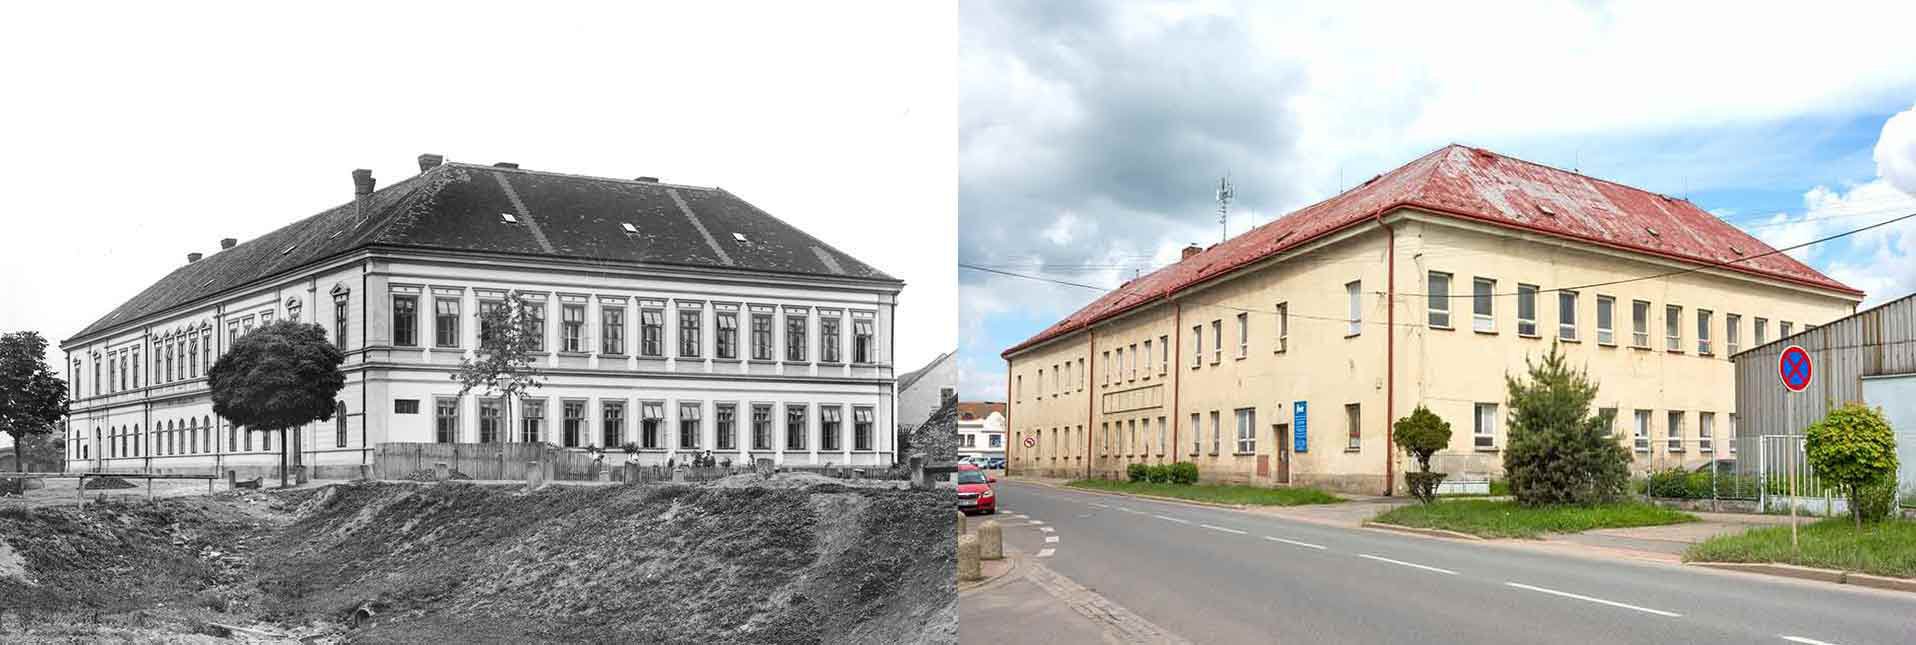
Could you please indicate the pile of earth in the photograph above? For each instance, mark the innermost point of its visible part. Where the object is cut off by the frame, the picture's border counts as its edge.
(428, 475)
(104, 483)
(795, 561)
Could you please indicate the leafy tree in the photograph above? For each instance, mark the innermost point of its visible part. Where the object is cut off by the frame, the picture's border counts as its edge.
(278, 377)
(1422, 434)
(32, 398)
(1853, 448)
(508, 336)
(1557, 452)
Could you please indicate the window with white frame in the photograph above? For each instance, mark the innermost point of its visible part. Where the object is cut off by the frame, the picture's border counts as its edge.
(1609, 415)
(1783, 329)
(1675, 431)
(612, 424)
(612, 330)
(1217, 341)
(1641, 434)
(1119, 372)
(795, 427)
(1705, 426)
(1485, 424)
(1217, 431)
(1148, 356)
(864, 345)
(1703, 332)
(1606, 320)
(796, 328)
(1246, 430)
(862, 428)
(1354, 426)
(1762, 330)
(1353, 293)
(1483, 303)
(651, 417)
(691, 337)
(725, 342)
(1673, 328)
(652, 332)
(1243, 334)
(1283, 326)
(1527, 310)
(1197, 345)
(761, 427)
(1732, 333)
(572, 328)
(1732, 434)
(1197, 434)
(1164, 357)
(1132, 368)
(689, 421)
(1438, 298)
(1567, 315)
(762, 337)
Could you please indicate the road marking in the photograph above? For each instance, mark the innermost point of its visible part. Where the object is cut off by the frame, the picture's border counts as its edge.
(1805, 641)
(1046, 553)
(1126, 509)
(1220, 528)
(1600, 601)
(1171, 519)
(1295, 542)
(1051, 539)
(1407, 564)
(1099, 505)
(1034, 523)
(1047, 529)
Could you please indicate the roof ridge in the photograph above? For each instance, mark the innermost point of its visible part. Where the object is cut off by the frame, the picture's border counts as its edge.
(1577, 173)
(568, 175)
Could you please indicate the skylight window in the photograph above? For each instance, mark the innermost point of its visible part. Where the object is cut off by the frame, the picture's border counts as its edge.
(288, 249)
(629, 228)
(509, 218)
(740, 237)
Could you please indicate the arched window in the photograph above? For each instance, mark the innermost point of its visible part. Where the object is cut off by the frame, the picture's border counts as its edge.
(339, 418)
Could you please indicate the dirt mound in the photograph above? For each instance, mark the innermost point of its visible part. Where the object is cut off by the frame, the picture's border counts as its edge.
(428, 474)
(103, 483)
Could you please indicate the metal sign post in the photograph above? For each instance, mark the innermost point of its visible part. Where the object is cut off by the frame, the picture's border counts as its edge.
(1796, 448)
(1795, 369)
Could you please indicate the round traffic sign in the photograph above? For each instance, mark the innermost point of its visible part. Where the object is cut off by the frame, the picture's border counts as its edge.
(1030, 442)
(1794, 367)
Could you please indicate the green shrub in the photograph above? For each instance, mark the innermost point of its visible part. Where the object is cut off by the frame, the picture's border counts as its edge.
(1558, 453)
(1135, 472)
(1670, 483)
(1184, 472)
(1423, 485)
(1159, 474)
(1875, 502)
(1854, 448)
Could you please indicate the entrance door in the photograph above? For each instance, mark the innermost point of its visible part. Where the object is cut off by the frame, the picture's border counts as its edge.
(1282, 433)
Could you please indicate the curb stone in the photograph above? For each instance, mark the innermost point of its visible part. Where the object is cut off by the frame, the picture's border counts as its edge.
(1013, 559)
(1441, 533)
(1814, 573)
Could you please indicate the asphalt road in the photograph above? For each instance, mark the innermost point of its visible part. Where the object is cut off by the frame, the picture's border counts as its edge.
(1220, 576)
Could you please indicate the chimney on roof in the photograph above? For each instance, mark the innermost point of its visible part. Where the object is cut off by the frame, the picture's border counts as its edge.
(505, 164)
(193, 257)
(649, 180)
(227, 243)
(1190, 251)
(362, 191)
(430, 161)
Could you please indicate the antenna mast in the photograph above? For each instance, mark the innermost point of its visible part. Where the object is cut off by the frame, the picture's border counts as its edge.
(1224, 194)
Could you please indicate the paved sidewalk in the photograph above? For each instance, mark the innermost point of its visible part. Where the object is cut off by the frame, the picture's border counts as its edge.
(1673, 539)
(1011, 609)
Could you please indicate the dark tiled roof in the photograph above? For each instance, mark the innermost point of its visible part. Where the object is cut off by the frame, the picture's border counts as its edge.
(1478, 185)
(457, 207)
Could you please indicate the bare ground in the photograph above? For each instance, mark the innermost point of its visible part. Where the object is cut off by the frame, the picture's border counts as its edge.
(786, 561)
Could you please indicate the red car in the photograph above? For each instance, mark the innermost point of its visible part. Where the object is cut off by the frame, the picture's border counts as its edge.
(974, 491)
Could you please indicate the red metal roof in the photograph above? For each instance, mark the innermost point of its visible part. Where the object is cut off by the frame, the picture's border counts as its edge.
(1476, 184)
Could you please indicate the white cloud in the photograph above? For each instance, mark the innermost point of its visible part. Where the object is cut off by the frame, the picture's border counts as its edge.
(1060, 230)
(1896, 151)
(1880, 261)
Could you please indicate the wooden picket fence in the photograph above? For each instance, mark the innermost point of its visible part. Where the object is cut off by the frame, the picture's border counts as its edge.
(508, 461)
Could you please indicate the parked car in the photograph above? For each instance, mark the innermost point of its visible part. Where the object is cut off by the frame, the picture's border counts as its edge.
(975, 491)
(995, 463)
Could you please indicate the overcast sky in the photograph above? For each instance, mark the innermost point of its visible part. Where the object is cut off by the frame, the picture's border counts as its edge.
(1092, 135)
(136, 133)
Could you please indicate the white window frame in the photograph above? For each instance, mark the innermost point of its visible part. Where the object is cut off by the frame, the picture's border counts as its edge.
(1484, 426)
(1606, 330)
(1673, 430)
(1217, 341)
(1703, 345)
(1483, 305)
(1243, 334)
(1437, 299)
(1673, 328)
(1197, 345)
(1567, 329)
(1164, 358)
(1732, 333)
(1246, 430)
(1640, 433)
(1353, 290)
(1283, 327)
(1148, 356)
(1640, 324)
(1527, 297)
(1705, 422)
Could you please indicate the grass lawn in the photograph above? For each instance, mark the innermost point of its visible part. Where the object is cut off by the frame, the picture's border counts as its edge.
(1232, 494)
(1507, 519)
(1884, 549)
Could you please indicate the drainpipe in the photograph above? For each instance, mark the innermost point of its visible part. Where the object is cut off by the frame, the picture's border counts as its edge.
(1390, 351)
(1091, 394)
(1012, 446)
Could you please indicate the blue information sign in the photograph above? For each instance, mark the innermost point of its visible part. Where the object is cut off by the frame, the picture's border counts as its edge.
(1299, 413)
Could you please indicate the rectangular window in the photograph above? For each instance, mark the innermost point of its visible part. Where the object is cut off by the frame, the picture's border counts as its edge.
(445, 327)
(762, 337)
(828, 342)
(405, 406)
(535, 324)
(651, 416)
(795, 329)
(1705, 426)
(1610, 421)
(572, 328)
(726, 420)
(1197, 434)
(1243, 335)
(1703, 332)
(339, 321)
(1217, 341)
(1640, 436)
(489, 421)
(1352, 292)
(1527, 310)
(1673, 328)
(1732, 434)
(1283, 327)
(1354, 424)
(573, 433)
(1485, 424)
(1118, 372)
(652, 332)
(1147, 355)
(727, 334)
(1783, 329)
(1132, 368)
(795, 427)
(1732, 333)
(1762, 327)
(1483, 303)
(1246, 430)
(1164, 359)
(1606, 320)
(612, 330)
(862, 424)
(1675, 431)
(405, 321)
(1217, 432)
(1567, 315)
(830, 427)
(445, 421)
(1639, 323)
(532, 426)
(1197, 345)
(690, 336)
(864, 350)
(689, 417)
(612, 429)
(1438, 297)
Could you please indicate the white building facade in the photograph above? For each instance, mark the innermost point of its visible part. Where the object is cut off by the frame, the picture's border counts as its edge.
(676, 320)
(981, 430)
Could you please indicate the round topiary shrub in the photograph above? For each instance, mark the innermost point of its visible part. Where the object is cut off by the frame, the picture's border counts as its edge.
(1854, 448)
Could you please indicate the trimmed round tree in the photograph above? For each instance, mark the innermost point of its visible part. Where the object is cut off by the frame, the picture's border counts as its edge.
(281, 376)
(1422, 434)
(1854, 448)
(1557, 452)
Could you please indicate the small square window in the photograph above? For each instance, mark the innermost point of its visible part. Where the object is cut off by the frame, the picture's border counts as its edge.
(406, 406)
(508, 218)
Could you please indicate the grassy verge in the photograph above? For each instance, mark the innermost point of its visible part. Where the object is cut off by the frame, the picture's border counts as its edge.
(1884, 549)
(1232, 494)
(1486, 518)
